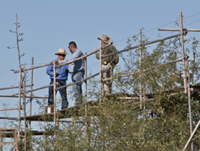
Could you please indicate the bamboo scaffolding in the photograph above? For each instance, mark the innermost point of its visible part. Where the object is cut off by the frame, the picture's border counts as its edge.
(141, 100)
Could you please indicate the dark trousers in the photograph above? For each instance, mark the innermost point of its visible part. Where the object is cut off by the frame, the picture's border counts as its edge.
(62, 91)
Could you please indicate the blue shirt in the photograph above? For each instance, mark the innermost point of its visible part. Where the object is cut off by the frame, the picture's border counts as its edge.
(62, 72)
(77, 65)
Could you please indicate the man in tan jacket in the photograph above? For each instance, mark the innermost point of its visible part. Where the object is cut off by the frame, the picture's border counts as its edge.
(107, 62)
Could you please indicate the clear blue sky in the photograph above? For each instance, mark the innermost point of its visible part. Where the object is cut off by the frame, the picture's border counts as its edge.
(49, 25)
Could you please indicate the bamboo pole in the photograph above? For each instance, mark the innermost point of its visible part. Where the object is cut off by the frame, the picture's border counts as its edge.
(128, 74)
(144, 44)
(193, 68)
(191, 135)
(183, 52)
(82, 57)
(83, 80)
(24, 108)
(189, 101)
(62, 86)
(172, 29)
(16, 108)
(140, 66)
(38, 97)
(54, 102)
(86, 106)
(31, 94)
(15, 87)
(100, 73)
(20, 78)
(54, 92)
(35, 89)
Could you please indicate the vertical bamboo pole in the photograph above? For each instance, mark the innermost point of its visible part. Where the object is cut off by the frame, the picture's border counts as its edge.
(20, 78)
(183, 52)
(19, 110)
(24, 107)
(193, 68)
(100, 73)
(31, 94)
(54, 93)
(1, 140)
(189, 101)
(140, 67)
(86, 117)
(54, 101)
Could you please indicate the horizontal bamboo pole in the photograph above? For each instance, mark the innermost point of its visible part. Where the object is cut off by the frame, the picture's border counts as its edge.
(177, 60)
(143, 44)
(84, 56)
(35, 89)
(9, 118)
(44, 65)
(128, 98)
(15, 87)
(128, 74)
(172, 29)
(62, 86)
(83, 80)
(7, 128)
(16, 108)
(36, 97)
(7, 143)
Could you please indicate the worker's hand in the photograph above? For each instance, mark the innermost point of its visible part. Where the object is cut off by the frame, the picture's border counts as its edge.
(57, 74)
(60, 64)
(94, 49)
(56, 62)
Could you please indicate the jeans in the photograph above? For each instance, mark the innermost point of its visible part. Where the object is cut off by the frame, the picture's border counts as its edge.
(62, 91)
(77, 88)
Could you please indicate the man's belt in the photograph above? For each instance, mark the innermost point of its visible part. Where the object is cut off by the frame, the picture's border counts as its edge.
(57, 80)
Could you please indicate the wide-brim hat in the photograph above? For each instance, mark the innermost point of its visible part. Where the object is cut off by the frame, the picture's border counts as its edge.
(61, 51)
(105, 39)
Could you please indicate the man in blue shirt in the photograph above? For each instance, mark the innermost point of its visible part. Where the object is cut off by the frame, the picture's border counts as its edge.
(61, 77)
(76, 70)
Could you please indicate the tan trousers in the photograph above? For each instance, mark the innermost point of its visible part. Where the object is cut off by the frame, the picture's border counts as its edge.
(107, 85)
